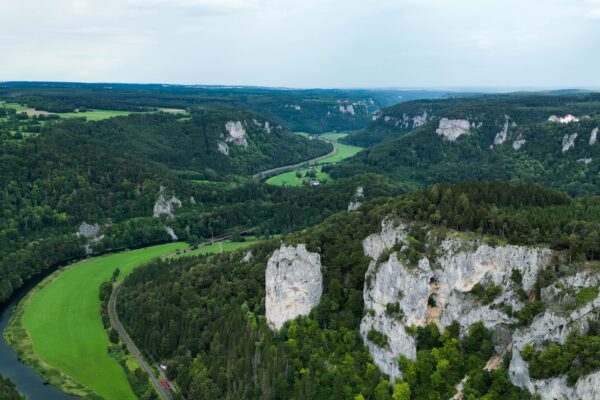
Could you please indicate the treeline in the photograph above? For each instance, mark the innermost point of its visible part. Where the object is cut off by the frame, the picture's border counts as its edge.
(205, 316)
(8, 391)
(314, 110)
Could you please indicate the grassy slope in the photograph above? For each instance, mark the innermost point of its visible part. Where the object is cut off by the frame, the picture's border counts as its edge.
(64, 324)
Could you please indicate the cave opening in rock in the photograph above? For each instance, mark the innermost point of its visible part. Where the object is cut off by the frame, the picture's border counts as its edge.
(431, 302)
(433, 280)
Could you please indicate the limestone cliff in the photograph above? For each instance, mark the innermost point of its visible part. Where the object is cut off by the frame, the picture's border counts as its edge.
(439, 288)
(294, 284)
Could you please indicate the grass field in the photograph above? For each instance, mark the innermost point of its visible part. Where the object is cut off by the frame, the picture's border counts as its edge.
(62, 324)
(218, 247)
(290, 179)
(95, 115)
(343, 151)
(15, 106)
(333, 135)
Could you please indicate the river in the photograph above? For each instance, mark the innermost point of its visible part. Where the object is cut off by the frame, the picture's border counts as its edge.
(27, 380)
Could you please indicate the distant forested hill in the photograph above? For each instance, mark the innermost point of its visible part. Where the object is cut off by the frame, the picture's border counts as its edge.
(396, 120)
(487, 138)
(311, 110)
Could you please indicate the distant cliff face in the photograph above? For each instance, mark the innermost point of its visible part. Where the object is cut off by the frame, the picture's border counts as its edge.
(294, 284)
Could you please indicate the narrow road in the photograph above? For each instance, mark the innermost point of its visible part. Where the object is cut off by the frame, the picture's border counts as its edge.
(285, 168)
(114, 320)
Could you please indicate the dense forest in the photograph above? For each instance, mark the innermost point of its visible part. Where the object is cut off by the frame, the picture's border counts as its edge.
(198, 313)
(8, 390)
(111, 172)
(508, 140)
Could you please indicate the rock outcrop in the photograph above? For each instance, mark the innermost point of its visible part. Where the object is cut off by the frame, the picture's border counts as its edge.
(171, 233)
(399, 294)
(568, 142)
(452, 129)
(223, 148)
(517, 144)
(294, 284)
(593, 136)
(501, 136)
(554, 327)
(348, 109)
(567, 119)
(165, 206)
(91, 233)
(437, 288)
(237, 133)
(356, 201)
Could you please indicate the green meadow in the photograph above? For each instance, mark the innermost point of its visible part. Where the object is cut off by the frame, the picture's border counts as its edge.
(59, 331)
(290, 179)
(214, 248)
(95, 115)
(343, 151)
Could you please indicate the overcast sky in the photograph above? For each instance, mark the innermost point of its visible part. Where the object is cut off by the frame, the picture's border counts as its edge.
(304, 43)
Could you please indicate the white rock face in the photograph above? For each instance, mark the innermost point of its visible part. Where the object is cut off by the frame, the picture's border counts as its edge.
(593, 136)
(461, 264)
(88, 231)
(349, 109)
(248, 257)
(165, 206)
(171, 233)
(91, 233)
(517, 144)
(391, 233)
(452, 129)
(237, 133)
(586, 160)
(355, 203)
(419, 120)
(223, 148)
(567, 119)
(294, 284)
(501, 136)
(267, 127)
(376, 115)
(568, 142)
(555, 328)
